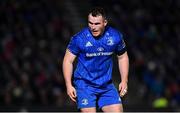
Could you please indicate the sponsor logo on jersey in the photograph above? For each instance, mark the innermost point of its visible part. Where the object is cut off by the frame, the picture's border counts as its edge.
(98, 54)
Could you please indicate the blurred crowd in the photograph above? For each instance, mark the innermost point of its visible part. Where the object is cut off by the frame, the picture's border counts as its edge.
(34, 35)
(33, 38)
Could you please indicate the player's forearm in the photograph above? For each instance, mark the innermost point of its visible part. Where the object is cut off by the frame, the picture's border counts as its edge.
(123, 62)
(67, 71)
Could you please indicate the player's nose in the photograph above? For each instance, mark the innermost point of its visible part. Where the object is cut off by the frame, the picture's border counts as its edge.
(93, 27)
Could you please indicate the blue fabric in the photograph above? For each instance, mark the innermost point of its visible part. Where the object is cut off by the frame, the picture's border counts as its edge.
(95, 55)
(88, 96)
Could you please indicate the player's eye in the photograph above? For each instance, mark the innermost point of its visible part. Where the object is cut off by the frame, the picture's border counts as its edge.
(90, 23)
(97, 23)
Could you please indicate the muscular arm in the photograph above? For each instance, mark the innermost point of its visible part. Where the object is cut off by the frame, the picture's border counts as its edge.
(123, 63)
(67, 72)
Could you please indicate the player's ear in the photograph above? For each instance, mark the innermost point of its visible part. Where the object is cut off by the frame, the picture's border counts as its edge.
(105, 22)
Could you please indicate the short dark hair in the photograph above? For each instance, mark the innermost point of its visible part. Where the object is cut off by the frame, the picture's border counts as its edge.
(98, 11)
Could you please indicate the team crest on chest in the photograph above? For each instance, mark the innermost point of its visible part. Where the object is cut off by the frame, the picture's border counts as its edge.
(110, 41)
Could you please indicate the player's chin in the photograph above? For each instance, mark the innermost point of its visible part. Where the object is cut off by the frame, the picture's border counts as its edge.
(96, 34)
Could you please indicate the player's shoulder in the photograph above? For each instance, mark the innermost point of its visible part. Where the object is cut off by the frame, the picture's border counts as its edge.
(82, 33)
(114, 32)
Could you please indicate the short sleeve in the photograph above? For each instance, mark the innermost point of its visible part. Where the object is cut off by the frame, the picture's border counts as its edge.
(121, 46)
(73, 45)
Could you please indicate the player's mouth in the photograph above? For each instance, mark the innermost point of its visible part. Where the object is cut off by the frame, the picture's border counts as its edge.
(95, 32)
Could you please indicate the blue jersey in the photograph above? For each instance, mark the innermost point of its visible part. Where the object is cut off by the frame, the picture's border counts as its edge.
(95, 55)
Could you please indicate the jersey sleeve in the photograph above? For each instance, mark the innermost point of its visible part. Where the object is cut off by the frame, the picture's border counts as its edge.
(121, 46)
(73, 45)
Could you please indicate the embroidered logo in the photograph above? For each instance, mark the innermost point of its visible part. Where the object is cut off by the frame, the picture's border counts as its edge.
(100, 49)
(88, 44)
(84, 101)
(110, 42)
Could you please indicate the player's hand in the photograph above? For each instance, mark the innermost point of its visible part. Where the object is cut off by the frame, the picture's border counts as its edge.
(123, 88)
(71, 91)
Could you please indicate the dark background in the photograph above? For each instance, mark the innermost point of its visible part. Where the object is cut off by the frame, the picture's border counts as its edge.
(34, 35)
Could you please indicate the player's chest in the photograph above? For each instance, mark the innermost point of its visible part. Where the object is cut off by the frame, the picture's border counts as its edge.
(93, 46)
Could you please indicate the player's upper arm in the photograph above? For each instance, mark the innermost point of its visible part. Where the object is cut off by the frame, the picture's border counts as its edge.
(73, 45)
(123, 55)
(69, 57)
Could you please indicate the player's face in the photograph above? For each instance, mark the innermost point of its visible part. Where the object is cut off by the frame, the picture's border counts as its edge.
(96, 24)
